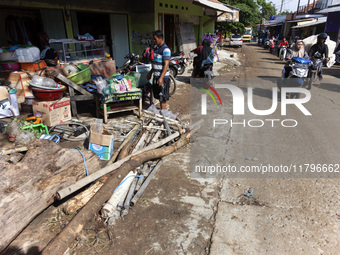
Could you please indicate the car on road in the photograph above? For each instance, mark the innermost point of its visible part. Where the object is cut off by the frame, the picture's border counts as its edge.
(236, 40)
(247, 34)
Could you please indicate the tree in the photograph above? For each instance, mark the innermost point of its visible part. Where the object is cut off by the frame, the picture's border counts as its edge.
(285, 12)
(251, 13)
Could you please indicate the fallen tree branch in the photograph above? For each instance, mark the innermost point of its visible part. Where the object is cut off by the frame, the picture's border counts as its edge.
(59, 244)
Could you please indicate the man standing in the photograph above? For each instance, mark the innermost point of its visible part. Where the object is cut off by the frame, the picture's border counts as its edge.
(160, 69)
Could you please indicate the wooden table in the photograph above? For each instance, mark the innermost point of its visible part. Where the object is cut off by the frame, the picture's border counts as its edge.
(120, 101)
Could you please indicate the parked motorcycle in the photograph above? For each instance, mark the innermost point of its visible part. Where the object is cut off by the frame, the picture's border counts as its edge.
(299, 76)
(181, 60)
(130, 65)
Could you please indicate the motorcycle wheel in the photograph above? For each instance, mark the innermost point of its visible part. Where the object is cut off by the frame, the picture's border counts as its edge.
(182, 70)
(311, 81)
(173, 71)
(173, 85)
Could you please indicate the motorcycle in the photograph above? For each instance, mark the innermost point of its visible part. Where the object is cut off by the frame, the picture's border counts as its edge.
(299, 76)
(174, 67)
(283, 52)
(316, 67)
(266, 44)
(132, 60)
(181, 60)
(204, 71)
(271, 46)
(130, 64)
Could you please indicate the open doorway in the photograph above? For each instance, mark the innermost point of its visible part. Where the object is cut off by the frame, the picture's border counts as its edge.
(96, 24)
(169, 31)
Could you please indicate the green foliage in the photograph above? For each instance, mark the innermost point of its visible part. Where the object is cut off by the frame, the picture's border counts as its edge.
(286, 12)
(251, 13)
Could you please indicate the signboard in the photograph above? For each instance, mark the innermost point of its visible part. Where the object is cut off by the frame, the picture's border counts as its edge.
(228, 17)
(120, 97)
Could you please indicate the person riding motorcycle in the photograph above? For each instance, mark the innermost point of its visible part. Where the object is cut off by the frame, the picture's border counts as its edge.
(205, 56)
(299, 52)
(284, 42)
(296, 38)
(320, 47)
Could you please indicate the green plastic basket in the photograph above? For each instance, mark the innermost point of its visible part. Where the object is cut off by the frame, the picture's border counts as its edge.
(81, 77)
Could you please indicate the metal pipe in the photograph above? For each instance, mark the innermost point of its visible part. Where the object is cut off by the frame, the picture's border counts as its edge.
(166, 124)
(125, 209)
(146, 183)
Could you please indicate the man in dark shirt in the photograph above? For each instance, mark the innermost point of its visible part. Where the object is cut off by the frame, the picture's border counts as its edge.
(160, 69)
(320, 47)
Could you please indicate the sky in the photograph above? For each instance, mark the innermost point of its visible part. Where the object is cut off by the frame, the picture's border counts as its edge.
(290, 5)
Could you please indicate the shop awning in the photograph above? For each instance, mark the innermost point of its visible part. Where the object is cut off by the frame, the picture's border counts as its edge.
(299, 20)
(311, 23)
(215, 5)
(330, 9)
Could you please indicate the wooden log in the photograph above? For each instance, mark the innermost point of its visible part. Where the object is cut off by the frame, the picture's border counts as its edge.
(59, 244)
(28, 187)
(77, 202)
(88, 179)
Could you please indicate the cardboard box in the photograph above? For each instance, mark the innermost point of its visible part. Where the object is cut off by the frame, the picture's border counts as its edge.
(101, 144)
(53, 112)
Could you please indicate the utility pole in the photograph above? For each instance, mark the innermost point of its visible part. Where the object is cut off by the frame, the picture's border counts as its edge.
(281, 7)
(297, 10)
(307, 7)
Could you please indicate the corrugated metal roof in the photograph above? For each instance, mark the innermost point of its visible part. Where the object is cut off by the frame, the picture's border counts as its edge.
(214, 4)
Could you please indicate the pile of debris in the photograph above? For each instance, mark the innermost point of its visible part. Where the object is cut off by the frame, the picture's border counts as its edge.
(49, 173)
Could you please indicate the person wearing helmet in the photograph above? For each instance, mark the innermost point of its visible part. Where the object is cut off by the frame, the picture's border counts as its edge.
(320, 47)
(296, 38)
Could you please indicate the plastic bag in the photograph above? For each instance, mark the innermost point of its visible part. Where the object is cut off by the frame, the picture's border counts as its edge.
(331, 61)
(100, 83)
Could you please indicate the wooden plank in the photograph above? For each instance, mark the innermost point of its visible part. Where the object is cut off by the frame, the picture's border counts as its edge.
(69, 83)
(73, 103)
(82, 97)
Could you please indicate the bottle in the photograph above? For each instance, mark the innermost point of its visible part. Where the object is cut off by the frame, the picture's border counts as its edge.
(98, 126)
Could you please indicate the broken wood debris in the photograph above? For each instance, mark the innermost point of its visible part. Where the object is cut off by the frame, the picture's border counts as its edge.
(145, 141)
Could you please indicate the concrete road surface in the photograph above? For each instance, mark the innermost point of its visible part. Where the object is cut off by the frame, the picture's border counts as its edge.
(291, 215)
